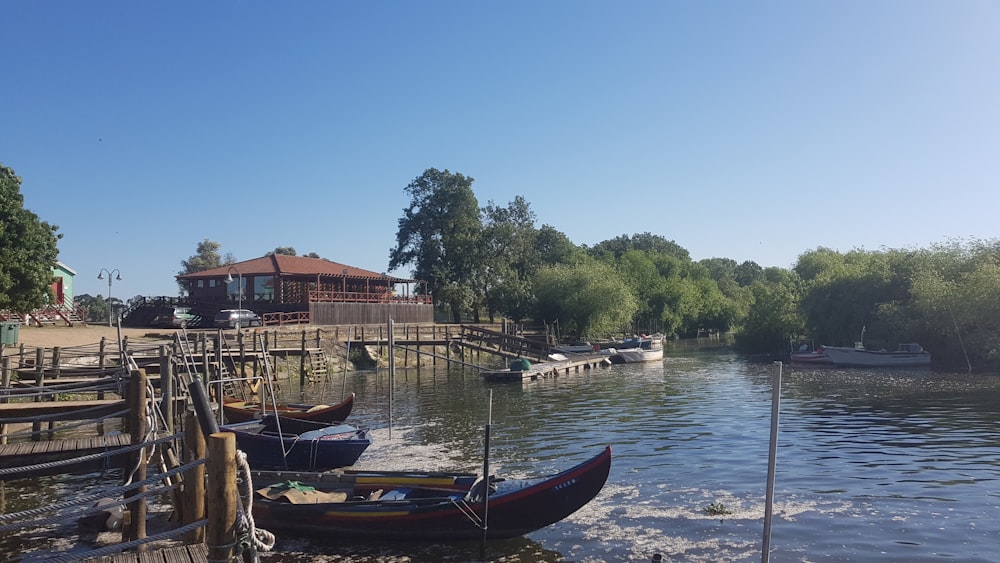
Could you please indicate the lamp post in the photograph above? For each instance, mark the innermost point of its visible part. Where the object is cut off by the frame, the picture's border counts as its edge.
(112, 275)
(229, 280)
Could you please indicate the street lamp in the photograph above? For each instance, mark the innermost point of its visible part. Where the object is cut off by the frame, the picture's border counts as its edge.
(229, 280)
(111, 273)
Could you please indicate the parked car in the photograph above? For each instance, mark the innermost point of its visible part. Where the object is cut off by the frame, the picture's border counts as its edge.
(174, 317)
(231, 318)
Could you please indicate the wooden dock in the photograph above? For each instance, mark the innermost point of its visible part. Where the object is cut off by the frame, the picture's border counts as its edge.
(25, 454)
(548, 369)
(197, 553)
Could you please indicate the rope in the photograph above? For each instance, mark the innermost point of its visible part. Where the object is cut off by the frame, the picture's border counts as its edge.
(120, 547)
(262, 539)
(47, 417)
(111, 491)
(62, 517)
(63, 427)
(85, 458)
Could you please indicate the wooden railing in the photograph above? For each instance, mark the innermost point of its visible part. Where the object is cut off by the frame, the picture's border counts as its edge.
(325, 296)
(281, 319)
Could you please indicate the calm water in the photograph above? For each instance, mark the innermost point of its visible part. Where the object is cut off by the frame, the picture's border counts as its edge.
(872, 465)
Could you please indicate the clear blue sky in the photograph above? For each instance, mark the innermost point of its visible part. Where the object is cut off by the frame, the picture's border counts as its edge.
(745, 130)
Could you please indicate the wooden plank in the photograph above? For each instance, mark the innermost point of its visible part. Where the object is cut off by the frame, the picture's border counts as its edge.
(17, 410)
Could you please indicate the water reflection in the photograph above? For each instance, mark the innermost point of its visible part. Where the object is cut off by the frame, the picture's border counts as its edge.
(872, 465)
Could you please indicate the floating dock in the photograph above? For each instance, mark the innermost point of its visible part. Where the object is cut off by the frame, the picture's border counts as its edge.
(548, 369)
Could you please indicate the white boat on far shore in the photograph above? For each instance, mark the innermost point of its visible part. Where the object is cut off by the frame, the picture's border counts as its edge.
(634, 350)
(907, 355)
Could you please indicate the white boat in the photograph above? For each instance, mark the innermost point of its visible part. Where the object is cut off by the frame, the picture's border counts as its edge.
(581, 348)
(635, 350)
(908, 355)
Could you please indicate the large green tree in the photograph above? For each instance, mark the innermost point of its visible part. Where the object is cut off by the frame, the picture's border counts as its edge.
(587, 299)
(28, 250)
(440, 235)
(510, 259)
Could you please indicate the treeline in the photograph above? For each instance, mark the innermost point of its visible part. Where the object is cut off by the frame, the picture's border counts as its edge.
(493, 261)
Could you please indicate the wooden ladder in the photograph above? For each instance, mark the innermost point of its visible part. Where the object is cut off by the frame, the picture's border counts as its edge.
(318, 365)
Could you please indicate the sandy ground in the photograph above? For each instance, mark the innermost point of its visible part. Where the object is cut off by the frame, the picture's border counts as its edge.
(49, 336)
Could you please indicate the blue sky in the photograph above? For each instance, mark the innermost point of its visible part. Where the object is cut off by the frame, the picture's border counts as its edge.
(745, 130)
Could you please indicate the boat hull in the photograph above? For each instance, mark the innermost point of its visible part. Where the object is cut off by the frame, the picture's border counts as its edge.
(859, 357)
(515, 509)
(816, 357)
(302, 446)
(240, 411)
(636, 355)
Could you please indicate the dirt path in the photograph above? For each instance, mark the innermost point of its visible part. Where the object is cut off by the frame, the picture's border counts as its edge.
(50, 336)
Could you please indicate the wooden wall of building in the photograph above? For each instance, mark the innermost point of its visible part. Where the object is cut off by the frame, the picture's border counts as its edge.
(369, 313)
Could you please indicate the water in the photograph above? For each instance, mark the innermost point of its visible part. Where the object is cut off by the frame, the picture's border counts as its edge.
(872, 465)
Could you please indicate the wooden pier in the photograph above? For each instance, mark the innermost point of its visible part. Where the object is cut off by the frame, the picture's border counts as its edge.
(197, 553)
(548, 369)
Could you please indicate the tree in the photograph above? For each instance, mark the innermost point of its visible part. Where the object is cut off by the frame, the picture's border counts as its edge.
(648, 242)
(587, 299)
(440, 235)
(282, 250)
(510, 259)
(28, 250)
(97, 308)
(207, 257)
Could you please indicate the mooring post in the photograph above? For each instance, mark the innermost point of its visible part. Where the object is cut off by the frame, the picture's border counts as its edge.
(101, 354)
(221, 527)
(5, 375)
(302, 361)
(36, 427)
(136, 528)
(194, 479)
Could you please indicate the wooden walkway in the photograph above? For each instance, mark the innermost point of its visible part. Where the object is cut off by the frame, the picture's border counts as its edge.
(197, 553)
(23, 454)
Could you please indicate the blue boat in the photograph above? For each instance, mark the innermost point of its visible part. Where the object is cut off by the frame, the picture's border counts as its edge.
(279, 443)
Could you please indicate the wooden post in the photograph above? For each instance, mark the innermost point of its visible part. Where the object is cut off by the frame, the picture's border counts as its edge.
(205, 371)
(136, 528)
(167, 388)
(319, 338)
(101, 354)
(194, 479)
(5, 383)
(36, 427)
(302, 361)
(56, 359)
(221, 529)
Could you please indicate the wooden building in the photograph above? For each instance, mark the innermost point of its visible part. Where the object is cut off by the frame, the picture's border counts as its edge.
(332, 293)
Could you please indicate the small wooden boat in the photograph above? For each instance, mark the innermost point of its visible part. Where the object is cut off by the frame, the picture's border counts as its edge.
(298, 445)
(241, 411)
(419, 506)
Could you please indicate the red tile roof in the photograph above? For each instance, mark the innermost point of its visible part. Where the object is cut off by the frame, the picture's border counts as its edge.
(281, 264)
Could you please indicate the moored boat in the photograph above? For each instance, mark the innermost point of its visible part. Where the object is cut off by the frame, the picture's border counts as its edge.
(241, 411)
(907, 355)
(421, 506)
(299, 445)
(633, 350)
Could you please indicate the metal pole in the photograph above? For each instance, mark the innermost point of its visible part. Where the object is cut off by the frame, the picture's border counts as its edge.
(111, 308)
(772, 458)
(111, 277)
(239, 315)
(486, 478)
